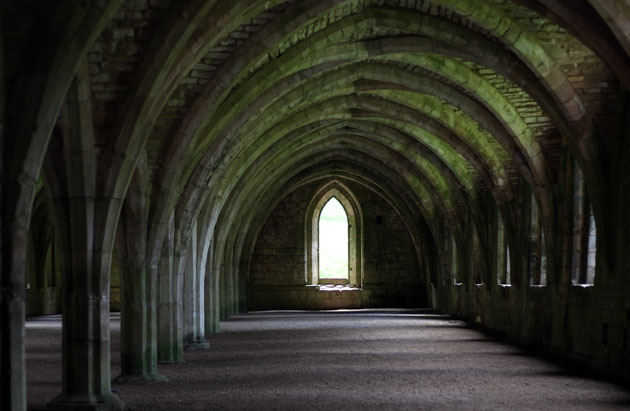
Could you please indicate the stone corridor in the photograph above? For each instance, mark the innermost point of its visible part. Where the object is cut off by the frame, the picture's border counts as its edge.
(168, 162)
(343, 360)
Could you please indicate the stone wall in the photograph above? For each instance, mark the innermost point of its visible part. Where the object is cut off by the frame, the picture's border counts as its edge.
(586, 322)
(278, 280)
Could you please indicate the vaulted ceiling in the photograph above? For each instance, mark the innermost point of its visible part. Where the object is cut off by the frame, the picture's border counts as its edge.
(212, 110)
(228, 105)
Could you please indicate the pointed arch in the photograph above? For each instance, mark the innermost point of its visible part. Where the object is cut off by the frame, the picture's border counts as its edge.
(355, 231)
(333, 227)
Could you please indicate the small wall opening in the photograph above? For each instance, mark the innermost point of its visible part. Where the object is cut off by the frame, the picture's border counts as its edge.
(476, 263)
(537, 247)
(584, 234)
(454, 262)
(503, 255)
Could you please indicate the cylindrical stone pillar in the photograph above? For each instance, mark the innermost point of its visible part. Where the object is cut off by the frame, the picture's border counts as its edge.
(86, 342)
(194, 337)
(166, 345)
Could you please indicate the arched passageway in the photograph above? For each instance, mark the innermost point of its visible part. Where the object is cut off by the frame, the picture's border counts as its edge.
(168, 160)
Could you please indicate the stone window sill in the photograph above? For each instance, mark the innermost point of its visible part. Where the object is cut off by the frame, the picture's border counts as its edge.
(337, 287)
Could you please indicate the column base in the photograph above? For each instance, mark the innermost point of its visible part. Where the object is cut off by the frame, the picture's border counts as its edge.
(107, 402)
(192, 346)
(166, 362)
(139, 379)
(173, 359)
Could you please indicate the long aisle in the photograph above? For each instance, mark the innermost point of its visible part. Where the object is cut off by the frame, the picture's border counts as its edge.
(385, 359)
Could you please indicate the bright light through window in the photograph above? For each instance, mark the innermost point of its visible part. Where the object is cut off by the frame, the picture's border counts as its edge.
(333, 241)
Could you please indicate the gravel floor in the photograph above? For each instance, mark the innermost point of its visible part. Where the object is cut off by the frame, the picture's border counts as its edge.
(385, 359)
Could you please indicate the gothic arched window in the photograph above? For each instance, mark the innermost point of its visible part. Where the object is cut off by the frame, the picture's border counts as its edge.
(333, 241)
(334, 256)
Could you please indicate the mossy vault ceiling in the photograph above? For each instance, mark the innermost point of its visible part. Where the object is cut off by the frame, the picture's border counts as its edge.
(431, 103)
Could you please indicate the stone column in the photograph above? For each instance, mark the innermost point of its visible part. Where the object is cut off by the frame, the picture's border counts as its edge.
(228, 266)
(211, 295)
(13, 240)
(37, 92)
(85, 225)
(194, 337)
(178, 314)
(12, 311)
(152, 323)
(236, 272)
(166, 303)
(132, 311)
(190, 300)
(174, 322)
(236, 291)
(229, 286)
(85, 307)
(15, 216)
(138, 357)
(223, 293)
